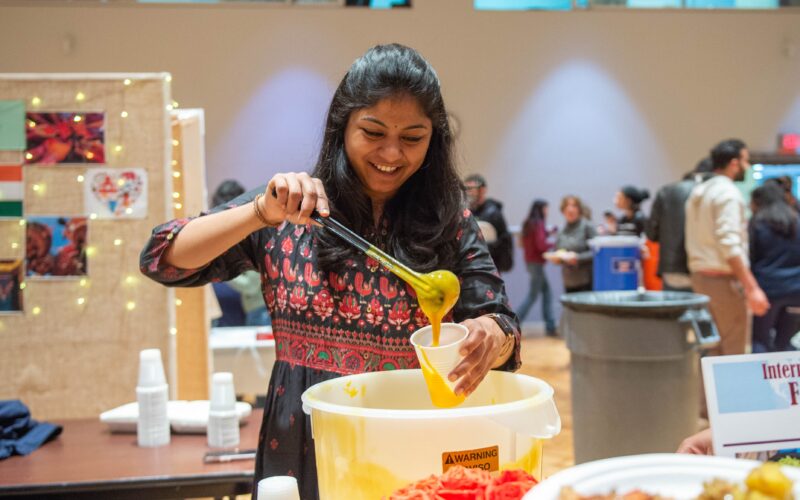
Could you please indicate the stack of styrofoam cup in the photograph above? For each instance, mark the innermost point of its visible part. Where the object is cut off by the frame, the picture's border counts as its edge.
(278, 488)
(152, 425)
(223, 421)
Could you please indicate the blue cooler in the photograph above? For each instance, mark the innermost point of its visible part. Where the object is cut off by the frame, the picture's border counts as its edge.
(616, 262)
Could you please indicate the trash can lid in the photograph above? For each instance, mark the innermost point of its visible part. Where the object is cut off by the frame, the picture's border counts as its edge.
(634, 303)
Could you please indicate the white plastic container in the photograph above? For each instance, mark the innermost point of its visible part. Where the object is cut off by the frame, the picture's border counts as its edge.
(152, 424)
(278, 488)
(377, 432)
(223, 420)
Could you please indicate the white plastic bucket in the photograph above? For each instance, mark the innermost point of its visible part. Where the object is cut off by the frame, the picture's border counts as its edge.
(376, 432)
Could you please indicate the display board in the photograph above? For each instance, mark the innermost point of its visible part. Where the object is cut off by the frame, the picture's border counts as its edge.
(91, 168)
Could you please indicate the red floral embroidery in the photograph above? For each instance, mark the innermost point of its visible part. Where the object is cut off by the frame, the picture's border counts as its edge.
(354, 362)
(323, 304)
(312, 278)
(419, 318)
(282, 297)
(374, 314)
(269, 296)
(338, 283)
(349, 308)
(362, 288)
(287, 245)
(387, 290)
(399, 314)
(298, 301)
(289, 271)
(272, 270)
(273, 444)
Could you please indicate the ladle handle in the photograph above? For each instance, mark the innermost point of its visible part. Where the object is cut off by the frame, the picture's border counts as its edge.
(389, 262)
(341, 231)
(385, 259)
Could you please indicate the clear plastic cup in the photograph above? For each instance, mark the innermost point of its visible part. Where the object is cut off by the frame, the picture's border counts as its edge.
(438, 361)
(278, 488)
(223, 395)
(151, 369)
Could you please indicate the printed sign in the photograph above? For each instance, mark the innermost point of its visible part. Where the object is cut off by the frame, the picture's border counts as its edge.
(487, 459)
(623, 265)
(753, 402)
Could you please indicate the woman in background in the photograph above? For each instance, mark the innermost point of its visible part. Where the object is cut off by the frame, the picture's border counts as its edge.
(572, 244)
(775, 261)
(629, 200)
(534, 241)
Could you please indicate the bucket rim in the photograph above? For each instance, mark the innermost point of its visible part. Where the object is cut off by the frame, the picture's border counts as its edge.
(671, 301)
(543, 397)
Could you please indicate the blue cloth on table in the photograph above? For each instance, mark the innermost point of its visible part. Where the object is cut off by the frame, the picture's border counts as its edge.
(19, 433)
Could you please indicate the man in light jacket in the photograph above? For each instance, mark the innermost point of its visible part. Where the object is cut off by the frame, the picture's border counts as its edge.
(717, 248)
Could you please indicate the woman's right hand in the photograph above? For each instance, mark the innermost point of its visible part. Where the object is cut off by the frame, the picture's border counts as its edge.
(293, 197)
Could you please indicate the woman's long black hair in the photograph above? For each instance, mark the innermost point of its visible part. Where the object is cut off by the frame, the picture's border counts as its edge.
(770, 208)
(423, 214)
(536, 215)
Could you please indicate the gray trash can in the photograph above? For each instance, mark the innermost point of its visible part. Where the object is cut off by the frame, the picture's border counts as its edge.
(635, 369)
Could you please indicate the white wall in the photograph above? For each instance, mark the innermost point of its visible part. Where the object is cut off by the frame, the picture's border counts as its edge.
(549, 102)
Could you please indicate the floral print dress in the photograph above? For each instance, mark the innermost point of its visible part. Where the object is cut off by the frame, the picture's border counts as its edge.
(328, 324)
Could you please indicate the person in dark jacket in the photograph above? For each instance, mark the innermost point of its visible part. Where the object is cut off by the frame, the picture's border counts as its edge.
(486, 209)
(629, 200)
(666, 227)
(775, 261)
(534, 241)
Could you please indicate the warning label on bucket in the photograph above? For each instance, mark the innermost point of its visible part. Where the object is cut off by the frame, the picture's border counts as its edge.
(482, 458)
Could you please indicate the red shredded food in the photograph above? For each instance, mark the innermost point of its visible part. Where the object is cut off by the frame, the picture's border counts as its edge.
(460, 483)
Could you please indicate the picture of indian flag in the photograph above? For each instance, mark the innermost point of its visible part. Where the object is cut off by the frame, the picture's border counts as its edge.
(11, 191)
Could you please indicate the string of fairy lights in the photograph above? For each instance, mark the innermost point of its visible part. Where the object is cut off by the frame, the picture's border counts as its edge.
(117, 147)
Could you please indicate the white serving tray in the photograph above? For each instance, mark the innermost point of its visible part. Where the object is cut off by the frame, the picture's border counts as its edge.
(671, 475)
(186, 417)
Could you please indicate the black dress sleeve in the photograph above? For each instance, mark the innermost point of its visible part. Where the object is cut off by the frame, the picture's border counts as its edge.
(236, 260)
(482, 288)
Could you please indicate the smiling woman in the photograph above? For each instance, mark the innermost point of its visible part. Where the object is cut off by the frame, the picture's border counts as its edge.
(385, 170)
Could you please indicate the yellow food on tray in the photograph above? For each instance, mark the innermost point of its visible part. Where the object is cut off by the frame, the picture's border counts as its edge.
(766, 482)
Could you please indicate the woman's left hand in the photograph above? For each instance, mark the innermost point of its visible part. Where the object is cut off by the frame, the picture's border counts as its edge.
(480, 350)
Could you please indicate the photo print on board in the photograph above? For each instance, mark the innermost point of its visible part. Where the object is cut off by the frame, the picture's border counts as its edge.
(55, 247)
(54, 138)
(11, 278)
(115, 193)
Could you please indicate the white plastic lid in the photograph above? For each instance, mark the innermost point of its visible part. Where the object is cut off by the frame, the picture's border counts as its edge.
(278, 488)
